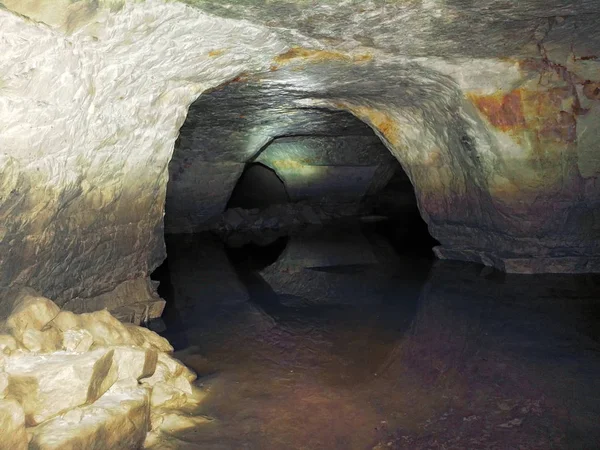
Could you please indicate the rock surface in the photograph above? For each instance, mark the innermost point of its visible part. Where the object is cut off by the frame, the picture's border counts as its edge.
(118, 420)
(491, 107)
(98, 388)
(12, 426)
(48, 386)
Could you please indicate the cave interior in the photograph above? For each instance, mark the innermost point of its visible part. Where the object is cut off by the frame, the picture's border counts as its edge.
(290, 224)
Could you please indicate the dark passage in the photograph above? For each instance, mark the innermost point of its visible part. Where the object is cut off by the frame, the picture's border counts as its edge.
(353, 337)
(258, 187)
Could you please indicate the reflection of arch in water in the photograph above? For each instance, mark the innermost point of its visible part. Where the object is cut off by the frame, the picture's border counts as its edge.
(258, 187)
(355, 336)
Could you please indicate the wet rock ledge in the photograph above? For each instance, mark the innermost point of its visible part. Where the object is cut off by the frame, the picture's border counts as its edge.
(79, 381)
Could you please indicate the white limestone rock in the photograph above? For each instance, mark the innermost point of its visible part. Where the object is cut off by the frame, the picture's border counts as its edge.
(77, 341)
(107, 331)
(90, 109)
(25, 313)
(172, 384)
(165, 395)
(145, 338)
(135, 363)
(45, 341)
(169, 369)
(119, 420)
(46, 385)
(88, 396)
(13, 435)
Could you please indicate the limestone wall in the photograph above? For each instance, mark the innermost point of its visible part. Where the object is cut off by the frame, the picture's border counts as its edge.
(492, 111)
(88, 119)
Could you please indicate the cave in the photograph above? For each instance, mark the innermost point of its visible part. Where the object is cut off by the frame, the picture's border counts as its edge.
(250, 156)
(222, 219)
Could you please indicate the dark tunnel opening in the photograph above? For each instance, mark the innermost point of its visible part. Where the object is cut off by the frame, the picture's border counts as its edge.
(258, 187)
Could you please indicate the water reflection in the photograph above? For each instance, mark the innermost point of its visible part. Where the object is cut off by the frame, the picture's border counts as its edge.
(337, 339)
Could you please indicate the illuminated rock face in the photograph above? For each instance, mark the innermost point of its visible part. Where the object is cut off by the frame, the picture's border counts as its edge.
(83, 167)
(492, 110)
(113, 390)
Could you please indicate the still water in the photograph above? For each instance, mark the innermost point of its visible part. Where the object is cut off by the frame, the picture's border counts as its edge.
(356, 338)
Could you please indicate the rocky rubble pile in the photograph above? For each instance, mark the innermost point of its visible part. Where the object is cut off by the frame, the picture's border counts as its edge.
(281, 216)
(80, 381)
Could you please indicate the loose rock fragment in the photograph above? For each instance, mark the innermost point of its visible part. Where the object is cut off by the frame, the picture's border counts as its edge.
(119, 420)
(46, 385)
(135, 363)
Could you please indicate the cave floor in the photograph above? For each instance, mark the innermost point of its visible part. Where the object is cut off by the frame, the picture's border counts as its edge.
(352, 340)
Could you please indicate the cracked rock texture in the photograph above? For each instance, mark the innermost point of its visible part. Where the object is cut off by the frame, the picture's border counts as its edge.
(111, 390)
(491, 107)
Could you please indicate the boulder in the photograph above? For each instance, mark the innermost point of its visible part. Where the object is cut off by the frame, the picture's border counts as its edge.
(119, 420)
(26, 310)
(13, 435)
(164, 395)
(169, 369)
(145, 338)
(172, 422)
(139, 313)
(46, 385)
(75, 379)
(135, 363)
(45, 341)
(171, 383)
(233, 218)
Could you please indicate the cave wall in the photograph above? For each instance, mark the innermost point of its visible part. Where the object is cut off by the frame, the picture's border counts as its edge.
(88, 120)
(491, 108)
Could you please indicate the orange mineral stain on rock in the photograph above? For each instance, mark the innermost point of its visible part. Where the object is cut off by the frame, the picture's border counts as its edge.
(314, 55)
(547, 115)
(215, 53)
(382, 121)
(503, 111)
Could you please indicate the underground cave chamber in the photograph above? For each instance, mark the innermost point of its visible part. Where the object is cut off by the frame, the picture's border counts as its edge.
(299, 225)
(340, 318)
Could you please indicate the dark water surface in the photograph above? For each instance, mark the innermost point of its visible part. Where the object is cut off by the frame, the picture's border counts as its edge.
(355, 338)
